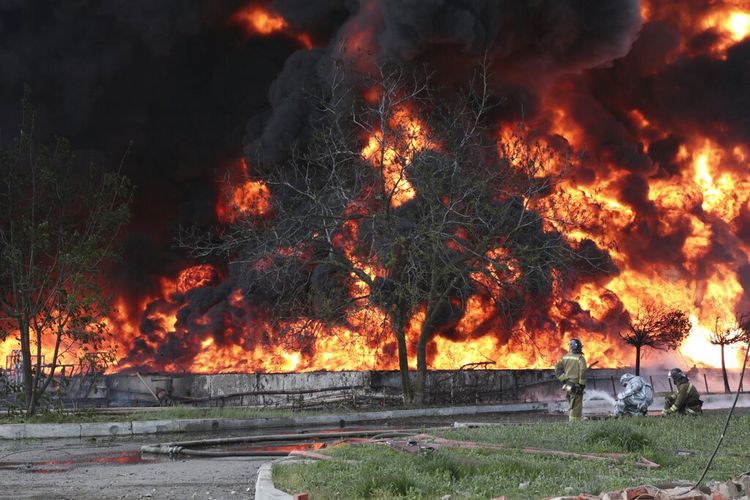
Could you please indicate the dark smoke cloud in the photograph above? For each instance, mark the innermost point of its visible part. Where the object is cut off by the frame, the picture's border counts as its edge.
(529, 44)
(609, 140)
(704, 94)
(663, 153)
(175, 77)
(320, 19)
(272, 134)
(547, 35)
(694, 94)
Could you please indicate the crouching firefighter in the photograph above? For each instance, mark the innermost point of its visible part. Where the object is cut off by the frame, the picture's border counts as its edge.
(571, 370)
(635, 399)
(685, 400)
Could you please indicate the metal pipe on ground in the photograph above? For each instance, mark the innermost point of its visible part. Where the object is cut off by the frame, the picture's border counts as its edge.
(178, 447)
(266, 393)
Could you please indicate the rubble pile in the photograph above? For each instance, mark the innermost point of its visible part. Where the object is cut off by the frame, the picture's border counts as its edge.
(737, 489)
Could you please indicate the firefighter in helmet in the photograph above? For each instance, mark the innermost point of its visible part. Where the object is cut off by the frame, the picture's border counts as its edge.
(571, 370)
(685, 400)
(636, 397)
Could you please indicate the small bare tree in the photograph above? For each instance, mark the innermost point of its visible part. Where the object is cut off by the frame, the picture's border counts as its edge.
(657, 327)
(402, 205)
(58, 223)
(724, 336)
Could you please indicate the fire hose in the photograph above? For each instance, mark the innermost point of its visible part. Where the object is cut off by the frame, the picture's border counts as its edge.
(729, 416)
(185, 447)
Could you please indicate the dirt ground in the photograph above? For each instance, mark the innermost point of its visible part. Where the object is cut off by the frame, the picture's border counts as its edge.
(109, 469)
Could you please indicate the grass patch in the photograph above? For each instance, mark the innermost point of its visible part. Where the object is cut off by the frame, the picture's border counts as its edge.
(680, 445)
(617, 435)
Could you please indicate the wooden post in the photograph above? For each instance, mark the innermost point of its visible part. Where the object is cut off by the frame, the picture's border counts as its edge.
(651, 378)
(594, 382)
(670, 385)
(614, 389)
(705, 381)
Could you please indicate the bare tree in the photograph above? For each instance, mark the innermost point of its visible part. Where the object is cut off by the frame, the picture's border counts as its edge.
(402, 205)
(657, 327)
(58, 223)
(724, 336)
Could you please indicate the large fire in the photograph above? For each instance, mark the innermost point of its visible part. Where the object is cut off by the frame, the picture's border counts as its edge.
(696, 202)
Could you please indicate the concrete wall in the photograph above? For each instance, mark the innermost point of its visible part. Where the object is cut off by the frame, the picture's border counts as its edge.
(356, 388)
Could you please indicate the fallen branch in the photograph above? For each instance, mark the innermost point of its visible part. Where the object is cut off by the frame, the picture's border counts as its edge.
(421, 442)
(646, 464)
(585, 456)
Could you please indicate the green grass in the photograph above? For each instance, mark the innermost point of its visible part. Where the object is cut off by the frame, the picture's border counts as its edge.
(166, 413)
(467, 474)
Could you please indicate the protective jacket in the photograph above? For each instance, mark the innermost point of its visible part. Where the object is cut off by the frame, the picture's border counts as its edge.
(684, 400)
(571, 367)
(636, 398)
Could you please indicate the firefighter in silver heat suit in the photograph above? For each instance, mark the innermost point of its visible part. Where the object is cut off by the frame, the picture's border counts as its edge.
(636, 398)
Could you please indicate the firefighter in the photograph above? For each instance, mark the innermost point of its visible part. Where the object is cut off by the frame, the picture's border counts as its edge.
(571, 370)
(685, 400)
(636, 398)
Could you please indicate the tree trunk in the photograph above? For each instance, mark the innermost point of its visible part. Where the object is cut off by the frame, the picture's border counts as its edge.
(724, 370)
(28, 378)
(637, 360)
(403, 359)
(421, 380)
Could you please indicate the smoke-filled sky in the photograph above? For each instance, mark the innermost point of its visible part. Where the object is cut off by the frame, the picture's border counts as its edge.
(641, 88)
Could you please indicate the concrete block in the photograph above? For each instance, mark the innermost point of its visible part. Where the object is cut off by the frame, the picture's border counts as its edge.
(12, 431)
(97, 429)
(264, 487)
(53, 431)
(236, 423)
(681, 494)
(730, 489)
(193, 425)
(155, 426)
(744, 482)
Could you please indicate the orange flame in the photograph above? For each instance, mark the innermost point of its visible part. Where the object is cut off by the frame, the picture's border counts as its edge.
(258, 20)
(393, 156)
(242, 197)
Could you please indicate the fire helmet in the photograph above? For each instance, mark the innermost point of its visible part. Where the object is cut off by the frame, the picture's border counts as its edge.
(626, 378)
(575, 345)
(677, 374)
